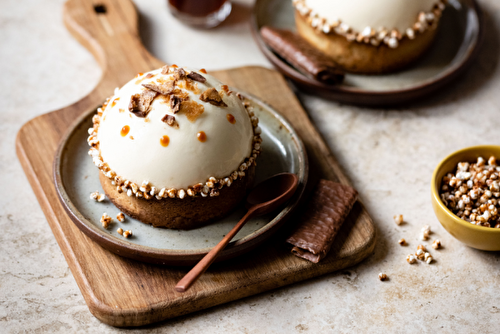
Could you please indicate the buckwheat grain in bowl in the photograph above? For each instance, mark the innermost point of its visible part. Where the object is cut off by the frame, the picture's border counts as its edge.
(366, 36)
(472, 191)
(175, 148)
(448, 211)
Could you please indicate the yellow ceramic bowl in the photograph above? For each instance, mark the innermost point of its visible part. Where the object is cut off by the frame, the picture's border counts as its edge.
(479, 237)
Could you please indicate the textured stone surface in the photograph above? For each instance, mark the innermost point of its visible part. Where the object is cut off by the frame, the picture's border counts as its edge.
(388, 154)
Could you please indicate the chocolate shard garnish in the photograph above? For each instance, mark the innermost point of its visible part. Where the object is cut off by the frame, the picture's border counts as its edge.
(196, 77)
(140, 104)
(212, 96)
(179, 73)
(324, 214)
(164, 88)
(301, 55)
(165, 69)
(175, 103)
(170, 120)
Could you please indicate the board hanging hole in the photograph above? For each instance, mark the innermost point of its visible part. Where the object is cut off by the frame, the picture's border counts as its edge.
(100, 9)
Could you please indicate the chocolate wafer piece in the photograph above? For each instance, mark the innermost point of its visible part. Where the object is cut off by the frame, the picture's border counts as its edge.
(140, 104)
(303, 56)
(326, 211)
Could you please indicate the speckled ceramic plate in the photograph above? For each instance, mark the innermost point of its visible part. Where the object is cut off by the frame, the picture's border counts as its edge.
(456, 45)
(76, 177)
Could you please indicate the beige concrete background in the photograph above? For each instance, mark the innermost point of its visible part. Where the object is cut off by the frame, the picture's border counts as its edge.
(388, 154)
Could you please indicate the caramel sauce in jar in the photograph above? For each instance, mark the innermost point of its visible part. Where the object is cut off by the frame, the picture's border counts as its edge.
(231, 118)
(202, 136)
(200, 13)
(125, 130)
(196, 7)
(164, 141)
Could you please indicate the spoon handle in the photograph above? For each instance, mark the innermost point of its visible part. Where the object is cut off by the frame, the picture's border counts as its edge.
(192, 276)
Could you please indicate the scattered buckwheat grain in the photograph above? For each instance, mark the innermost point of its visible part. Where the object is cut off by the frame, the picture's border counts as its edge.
(105, 220)
(398, 219)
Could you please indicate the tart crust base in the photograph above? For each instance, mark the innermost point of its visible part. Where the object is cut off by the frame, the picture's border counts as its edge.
(364, 58)
(175, 213)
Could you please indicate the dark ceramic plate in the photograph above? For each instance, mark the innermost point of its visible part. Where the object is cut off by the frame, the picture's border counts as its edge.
(76, 177)
(454, 49)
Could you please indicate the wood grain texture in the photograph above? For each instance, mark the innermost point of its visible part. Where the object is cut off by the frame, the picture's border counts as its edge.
(122, 292)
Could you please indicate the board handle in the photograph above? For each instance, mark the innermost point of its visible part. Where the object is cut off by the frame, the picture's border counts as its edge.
(109, 30)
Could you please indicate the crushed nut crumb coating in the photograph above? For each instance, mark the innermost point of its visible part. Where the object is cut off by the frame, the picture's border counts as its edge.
(369, 35)
(210, 188)
(472, 192)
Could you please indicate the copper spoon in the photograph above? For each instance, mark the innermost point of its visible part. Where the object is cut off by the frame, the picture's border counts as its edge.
(264, 198)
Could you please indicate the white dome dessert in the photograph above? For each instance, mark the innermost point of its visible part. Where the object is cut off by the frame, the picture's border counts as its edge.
(376, 14)
(185, 160)
(174, 133)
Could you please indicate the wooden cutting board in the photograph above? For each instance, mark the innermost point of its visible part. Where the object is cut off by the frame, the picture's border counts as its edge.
(122, 292)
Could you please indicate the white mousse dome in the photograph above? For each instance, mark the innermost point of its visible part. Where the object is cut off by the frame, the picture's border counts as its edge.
(360, 14)
(141, 155)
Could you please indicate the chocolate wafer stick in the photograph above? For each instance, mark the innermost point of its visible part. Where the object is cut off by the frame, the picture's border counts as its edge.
(295, 50)
(326, 211)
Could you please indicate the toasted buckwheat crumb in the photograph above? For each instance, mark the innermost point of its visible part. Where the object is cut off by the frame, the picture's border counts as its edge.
(127, 234)
(120, 217)
(411, 259)
(402, 242)
(105, 220)
(398, 219)
(429, 259)
(120, 231)
(425, 232)
(419, 254)
(422, 247)
(436, 244)
(97, 197)
(382, 276)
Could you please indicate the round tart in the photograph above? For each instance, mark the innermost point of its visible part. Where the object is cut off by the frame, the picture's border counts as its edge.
(369, 37)
(176, 148)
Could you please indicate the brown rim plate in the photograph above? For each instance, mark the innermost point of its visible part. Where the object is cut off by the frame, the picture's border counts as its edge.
(456, 45)
(76, 177)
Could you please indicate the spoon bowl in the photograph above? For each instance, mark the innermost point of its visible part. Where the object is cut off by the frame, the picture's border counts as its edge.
(264, 198)
(271, 193)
